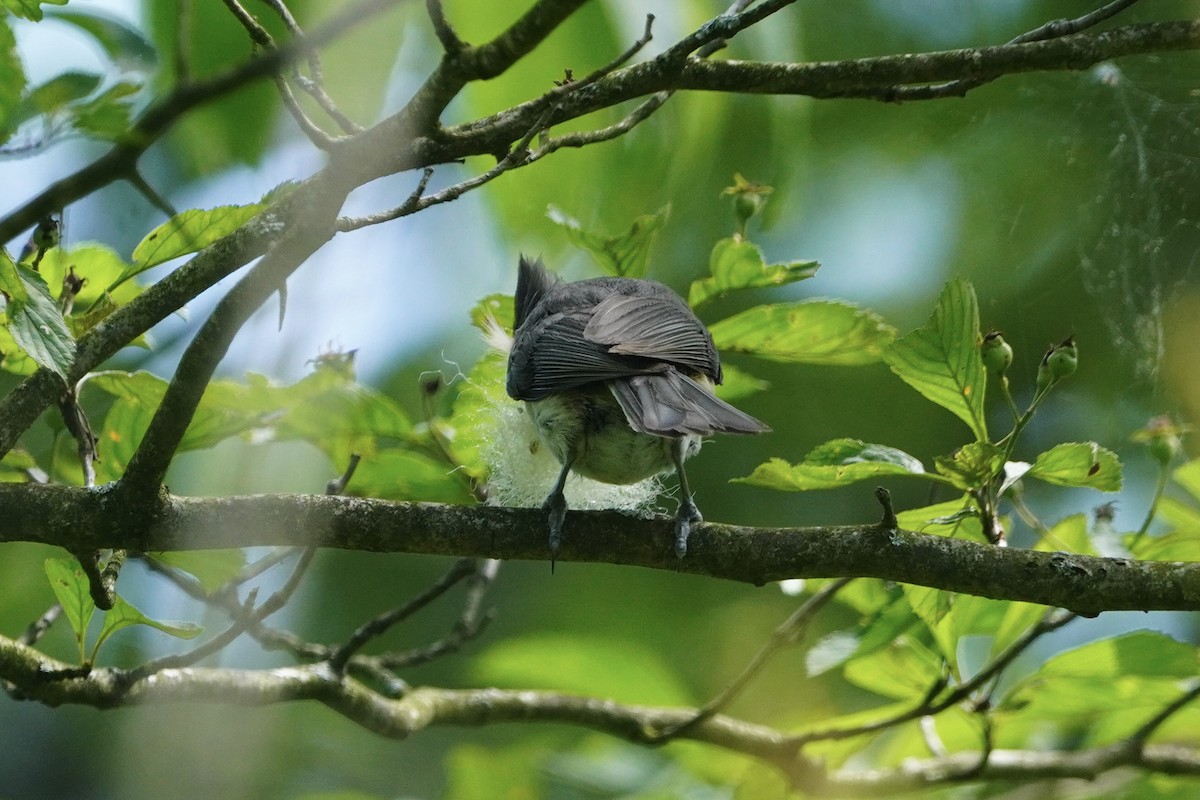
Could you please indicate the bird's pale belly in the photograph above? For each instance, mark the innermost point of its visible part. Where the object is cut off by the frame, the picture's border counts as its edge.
(587, 428)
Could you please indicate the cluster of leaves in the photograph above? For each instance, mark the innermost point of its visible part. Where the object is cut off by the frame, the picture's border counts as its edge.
(88, 103)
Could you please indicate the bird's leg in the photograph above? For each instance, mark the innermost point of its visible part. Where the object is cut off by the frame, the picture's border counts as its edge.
(556, 504)
(688, 514)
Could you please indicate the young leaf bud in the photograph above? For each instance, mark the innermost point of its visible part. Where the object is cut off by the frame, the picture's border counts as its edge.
(1161, 436)
(997, 354)
(1064, 358)
(1058, 362)
(748, 200)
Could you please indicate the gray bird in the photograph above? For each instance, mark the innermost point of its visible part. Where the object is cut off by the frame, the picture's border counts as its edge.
(617, 375)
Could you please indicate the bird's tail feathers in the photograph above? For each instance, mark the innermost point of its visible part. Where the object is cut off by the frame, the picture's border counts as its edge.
(672, 404)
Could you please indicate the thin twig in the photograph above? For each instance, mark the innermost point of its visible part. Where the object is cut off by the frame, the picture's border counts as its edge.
(627, 123)
(200, 652)
(929, 705)
(445, 32)
(1143, 734)
(39, 626)
(470, 623)
(380, 624)
(76, 423)
(138, 182)
(338, 484)
(263, 39)
(519, 154)
(314, 86)
(413, 203)
(788, 633)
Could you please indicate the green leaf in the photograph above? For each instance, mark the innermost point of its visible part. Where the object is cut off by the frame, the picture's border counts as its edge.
(971, 466)
(37, 325)
(98, 265)
(10, 279)
(1181, 545)
(941, 360)
(1079, 464)
(474, 771)
(808, 332)
(15, 464)
(107, 116)
(877, 631)
(333, 412)
(1144, 653)
(1069, 535)
(29, 9)
(73, 593)
(469, 429)
(189, 232)
(738, 264)
(138, 396)
(931, 605)
(738, 383)
(406, 475)
(12, 81)
(124, 44)
(903, 671)
(1019, 618)
(12, 358)
(1188, 477)
(951, 518)
(839, 462)
(123, 614)
(498, 307)
(57, 93)
(625, 254)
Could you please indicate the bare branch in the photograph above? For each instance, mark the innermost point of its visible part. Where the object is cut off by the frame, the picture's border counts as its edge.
(379, 625)
(1049, 30)
(263, 39)
(424, 707)
(443, 29)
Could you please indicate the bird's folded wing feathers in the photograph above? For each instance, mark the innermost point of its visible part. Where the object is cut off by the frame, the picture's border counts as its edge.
(564, 359)
(672, 404)
(660, 328)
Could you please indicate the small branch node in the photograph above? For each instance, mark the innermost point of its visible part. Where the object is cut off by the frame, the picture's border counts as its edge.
(889, 521)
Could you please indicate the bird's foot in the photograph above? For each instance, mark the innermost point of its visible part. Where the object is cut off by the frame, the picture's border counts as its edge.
(687, 516)
(556, 506)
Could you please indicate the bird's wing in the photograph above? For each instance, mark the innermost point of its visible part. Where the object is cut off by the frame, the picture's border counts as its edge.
(672, 404)
(551, 355)
(660, 328)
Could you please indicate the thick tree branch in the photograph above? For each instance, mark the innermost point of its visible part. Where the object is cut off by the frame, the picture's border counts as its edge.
(868, 78)
(82, 520)
(40, 678)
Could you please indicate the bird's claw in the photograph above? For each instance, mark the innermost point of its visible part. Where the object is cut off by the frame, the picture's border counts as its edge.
(687, 516)
(556, 506)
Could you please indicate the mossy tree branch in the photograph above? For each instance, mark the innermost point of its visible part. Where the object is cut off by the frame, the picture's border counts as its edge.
(38, 677)
(82, 520)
